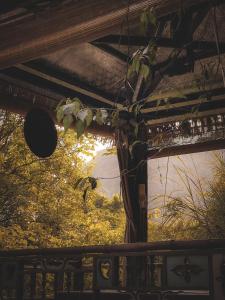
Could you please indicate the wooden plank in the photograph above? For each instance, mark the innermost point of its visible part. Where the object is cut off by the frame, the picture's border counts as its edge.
(20, 105)
(176, 93)
(187, 116)
(63, 83)
(125, 40)
(187, 149)
(78, 22)
(183, 104)
(121, 248)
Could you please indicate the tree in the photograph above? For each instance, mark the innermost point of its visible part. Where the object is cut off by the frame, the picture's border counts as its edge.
(200, 214)
(40, 204)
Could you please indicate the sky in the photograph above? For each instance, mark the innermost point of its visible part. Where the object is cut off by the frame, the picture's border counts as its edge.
(197, 165)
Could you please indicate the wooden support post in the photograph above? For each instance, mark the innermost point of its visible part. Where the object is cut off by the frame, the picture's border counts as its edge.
(134, 189)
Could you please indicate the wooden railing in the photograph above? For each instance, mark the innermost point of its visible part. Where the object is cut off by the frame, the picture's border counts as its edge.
(162, 270)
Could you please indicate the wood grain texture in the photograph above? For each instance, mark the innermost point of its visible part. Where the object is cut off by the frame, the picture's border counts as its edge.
(76, 23)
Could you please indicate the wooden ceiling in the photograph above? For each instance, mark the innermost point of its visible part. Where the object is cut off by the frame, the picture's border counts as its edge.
(55, 49)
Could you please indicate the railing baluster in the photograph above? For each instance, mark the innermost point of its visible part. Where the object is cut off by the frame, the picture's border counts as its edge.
(78, 277)
(55, 284)
(20, 282)
(43, 284)
(33, 284)
(68, 281)
(173, 266)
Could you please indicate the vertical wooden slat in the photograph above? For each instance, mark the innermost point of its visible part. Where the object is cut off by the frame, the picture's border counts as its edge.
(78, 277)
(33, 284)
(218, 270)
(20, 282)
(68, 281)
(58, 282)
(43, 284)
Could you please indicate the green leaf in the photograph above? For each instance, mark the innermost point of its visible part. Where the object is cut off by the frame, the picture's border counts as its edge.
(115, 118)
(93, 182)
(77, 183)
(89, 117)
(76, 107)
(130, 71)
(68, 101)
(152, 17)
(80, 127)
(137, 65)
(145, 71)
(59, 114)
(144, 21)
(67, 122)
(99, 119)
(158, 102)
(68, 108)
(60, 104)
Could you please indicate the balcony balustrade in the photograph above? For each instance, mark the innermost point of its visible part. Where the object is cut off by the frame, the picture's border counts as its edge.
(161, 270)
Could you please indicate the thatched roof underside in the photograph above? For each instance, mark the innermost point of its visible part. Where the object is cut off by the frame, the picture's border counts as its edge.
(94, 68)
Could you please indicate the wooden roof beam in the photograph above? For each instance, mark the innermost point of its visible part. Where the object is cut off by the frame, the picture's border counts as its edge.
(16, 100)
(186, 149)
(112, 51)
(65, 84)
(77, 22)
(161, 42)
(186, 116)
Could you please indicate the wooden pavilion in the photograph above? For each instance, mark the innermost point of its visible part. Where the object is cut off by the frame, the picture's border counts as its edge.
(53, 49)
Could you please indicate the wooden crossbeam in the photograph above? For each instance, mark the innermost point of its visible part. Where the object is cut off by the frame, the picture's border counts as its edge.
(175, 93)
(187, 116)
(161, 42)
(112, 51)
(17, 99)
(134, 40)
(184, 104)
(78, 22)
(187, 149)
(65, 84)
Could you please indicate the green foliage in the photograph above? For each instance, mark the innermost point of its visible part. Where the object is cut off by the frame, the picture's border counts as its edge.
(73, 113)
(148, 19)
(199, 214)
(41, 204)
(142, 61)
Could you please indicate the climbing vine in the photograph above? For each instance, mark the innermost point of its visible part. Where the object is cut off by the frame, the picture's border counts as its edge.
(128, 116)
(73, 113)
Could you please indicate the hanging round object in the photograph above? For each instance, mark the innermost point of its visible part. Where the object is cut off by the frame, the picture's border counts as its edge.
(40, 133)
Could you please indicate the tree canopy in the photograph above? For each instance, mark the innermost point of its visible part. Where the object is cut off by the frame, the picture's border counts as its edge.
(40, 203)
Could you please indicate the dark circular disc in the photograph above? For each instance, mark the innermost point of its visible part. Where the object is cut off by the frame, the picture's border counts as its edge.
(40, 133)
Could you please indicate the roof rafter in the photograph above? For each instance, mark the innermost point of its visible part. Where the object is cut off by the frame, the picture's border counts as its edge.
(161, 42)
(112, 51)
(82, 22)
(16, 98)
(73, 87)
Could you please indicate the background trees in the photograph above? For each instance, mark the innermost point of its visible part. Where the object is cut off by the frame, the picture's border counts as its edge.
(200, 213)
(40, 205)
